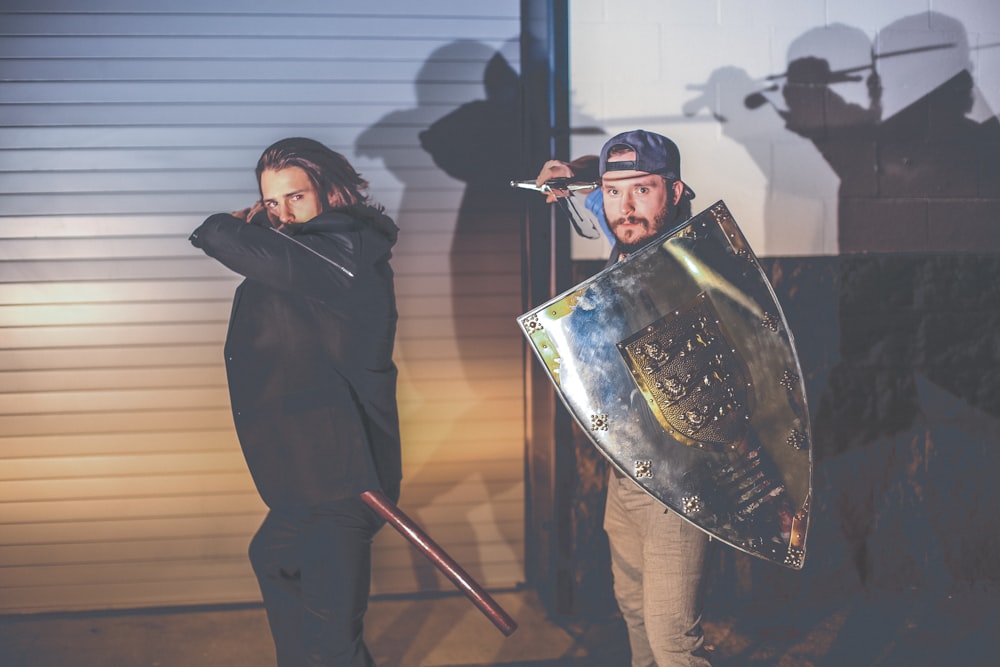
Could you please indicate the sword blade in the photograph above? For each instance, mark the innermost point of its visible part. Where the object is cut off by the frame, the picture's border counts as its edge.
(877, 56)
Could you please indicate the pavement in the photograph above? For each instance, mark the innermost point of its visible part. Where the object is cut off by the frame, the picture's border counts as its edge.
(899, 629)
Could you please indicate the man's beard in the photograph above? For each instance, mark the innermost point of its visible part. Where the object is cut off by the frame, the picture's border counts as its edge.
(659, 224)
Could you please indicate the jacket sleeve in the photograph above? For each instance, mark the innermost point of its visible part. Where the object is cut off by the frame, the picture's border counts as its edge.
(318, 265)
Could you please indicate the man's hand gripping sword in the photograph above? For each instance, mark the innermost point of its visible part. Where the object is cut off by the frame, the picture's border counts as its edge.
(561, 191)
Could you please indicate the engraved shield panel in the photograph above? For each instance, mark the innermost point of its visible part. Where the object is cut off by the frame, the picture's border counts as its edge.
(693, 380)
(679, 365)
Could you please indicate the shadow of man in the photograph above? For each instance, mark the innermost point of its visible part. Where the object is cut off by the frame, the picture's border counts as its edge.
(462, 392)
(479, 143)
(918, 175)
(904, 163)
(800, 191)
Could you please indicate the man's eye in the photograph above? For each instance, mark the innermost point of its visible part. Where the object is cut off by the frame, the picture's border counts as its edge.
(270, 204)
(643, 190)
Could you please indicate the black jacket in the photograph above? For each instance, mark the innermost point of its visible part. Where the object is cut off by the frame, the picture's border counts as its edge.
(309, 353)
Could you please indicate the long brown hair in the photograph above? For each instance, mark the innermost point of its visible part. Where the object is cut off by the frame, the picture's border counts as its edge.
(331, 174)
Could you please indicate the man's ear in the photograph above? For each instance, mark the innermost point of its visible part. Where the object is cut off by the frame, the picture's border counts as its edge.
(678, 190)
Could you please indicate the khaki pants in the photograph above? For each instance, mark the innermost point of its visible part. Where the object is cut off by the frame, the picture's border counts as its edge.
(658, 562)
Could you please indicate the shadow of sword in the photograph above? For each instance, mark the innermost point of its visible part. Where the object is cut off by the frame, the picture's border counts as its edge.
(386, 509)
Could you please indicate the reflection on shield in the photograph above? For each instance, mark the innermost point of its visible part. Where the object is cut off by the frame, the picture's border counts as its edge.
(679, 365)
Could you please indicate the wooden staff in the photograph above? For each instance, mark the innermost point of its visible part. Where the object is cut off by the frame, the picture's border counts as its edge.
(418, 538)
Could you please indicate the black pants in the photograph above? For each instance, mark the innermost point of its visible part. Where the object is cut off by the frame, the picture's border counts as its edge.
(314, 570)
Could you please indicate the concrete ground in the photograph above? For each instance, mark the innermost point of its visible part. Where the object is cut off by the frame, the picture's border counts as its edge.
(900, 629)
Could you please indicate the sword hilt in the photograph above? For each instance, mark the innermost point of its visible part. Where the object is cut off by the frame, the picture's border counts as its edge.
(556, 184)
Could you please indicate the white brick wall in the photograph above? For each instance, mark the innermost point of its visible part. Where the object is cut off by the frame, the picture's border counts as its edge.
(638, 63)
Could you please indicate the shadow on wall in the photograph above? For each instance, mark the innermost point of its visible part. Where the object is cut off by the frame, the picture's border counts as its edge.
(906, 421)
(894, 120)
(477, 293)
(901, 351)
(911, 162)
(479, 143)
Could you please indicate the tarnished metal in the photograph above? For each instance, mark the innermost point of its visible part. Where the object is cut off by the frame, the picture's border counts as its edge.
(682, 356)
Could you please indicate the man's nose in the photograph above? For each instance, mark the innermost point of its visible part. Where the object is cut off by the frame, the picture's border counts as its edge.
(284, 214)
(626, 203)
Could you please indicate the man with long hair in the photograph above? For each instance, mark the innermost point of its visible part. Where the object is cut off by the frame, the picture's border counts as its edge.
(312, 388)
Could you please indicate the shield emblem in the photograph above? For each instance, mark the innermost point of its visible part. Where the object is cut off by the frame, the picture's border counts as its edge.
(679, 365)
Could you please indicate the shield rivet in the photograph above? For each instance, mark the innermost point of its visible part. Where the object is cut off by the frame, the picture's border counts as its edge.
(643, 469)
(531, 325)
(789, 380)
(692, 504)
(598, 422)
(794, 557)
(796, 439)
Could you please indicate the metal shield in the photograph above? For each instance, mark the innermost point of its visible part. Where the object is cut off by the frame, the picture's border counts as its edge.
(679, 365)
